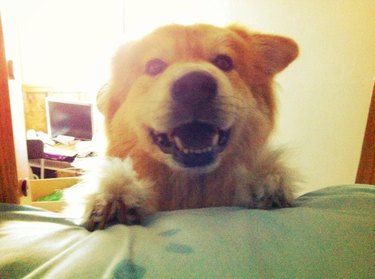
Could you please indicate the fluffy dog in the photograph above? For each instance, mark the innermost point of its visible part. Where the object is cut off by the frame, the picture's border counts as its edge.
(188, 114)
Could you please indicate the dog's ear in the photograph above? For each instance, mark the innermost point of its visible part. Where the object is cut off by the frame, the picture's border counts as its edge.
(277, 52)
(101, 98)
(112, 94)
(107, 102)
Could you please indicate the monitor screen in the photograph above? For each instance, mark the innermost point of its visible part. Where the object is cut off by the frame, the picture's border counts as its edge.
(73, 119)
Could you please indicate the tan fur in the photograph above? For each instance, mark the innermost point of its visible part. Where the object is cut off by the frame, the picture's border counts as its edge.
(246, 172)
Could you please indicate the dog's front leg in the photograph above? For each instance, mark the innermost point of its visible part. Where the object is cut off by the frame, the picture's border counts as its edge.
(116, 192)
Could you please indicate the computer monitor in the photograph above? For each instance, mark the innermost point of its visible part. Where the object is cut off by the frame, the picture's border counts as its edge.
(66, 118)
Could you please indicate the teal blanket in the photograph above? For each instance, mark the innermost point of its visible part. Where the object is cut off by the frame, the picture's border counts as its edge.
(329, 233)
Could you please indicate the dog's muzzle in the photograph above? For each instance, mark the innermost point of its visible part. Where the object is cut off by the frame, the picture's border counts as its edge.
(197, 142)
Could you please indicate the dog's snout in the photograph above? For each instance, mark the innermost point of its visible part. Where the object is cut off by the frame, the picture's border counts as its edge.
(194, 87)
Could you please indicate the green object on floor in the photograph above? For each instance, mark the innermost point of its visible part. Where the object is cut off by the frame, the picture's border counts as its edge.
(55, 196)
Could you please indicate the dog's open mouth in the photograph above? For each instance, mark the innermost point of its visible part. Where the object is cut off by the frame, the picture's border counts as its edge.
(194, 144)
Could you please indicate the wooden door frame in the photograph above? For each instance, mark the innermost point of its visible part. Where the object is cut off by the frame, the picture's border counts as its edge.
(366, 168)
(9, 190)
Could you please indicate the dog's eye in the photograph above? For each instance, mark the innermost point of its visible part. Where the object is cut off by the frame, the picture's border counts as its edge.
(155, 66)
(223, 62)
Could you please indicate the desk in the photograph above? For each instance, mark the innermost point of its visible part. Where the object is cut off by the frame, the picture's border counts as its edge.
(75, 168)
(66, 167)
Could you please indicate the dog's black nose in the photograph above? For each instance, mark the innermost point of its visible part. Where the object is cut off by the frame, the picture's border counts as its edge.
(194, 88)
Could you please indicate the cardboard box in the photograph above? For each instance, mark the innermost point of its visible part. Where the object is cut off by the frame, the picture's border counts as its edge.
(38, 188)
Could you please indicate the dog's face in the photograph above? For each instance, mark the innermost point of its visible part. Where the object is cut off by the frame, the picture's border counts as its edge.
(190, 96)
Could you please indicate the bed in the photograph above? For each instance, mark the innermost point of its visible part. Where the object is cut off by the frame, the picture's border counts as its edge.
(329, 233)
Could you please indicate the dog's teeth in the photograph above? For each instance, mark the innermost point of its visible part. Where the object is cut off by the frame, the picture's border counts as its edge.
(215, 139)
(185, 150)
(179, 144)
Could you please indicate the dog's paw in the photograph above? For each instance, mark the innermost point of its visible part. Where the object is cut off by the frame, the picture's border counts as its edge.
(273, 191)
(116, 194)
(115, 208)
(269, 184)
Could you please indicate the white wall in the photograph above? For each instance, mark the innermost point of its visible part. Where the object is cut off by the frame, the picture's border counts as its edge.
(325, 95)
(65, 43)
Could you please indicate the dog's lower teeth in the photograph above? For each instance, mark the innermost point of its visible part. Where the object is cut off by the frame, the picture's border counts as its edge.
(181, 147)
(196, 151)
(185, 150)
